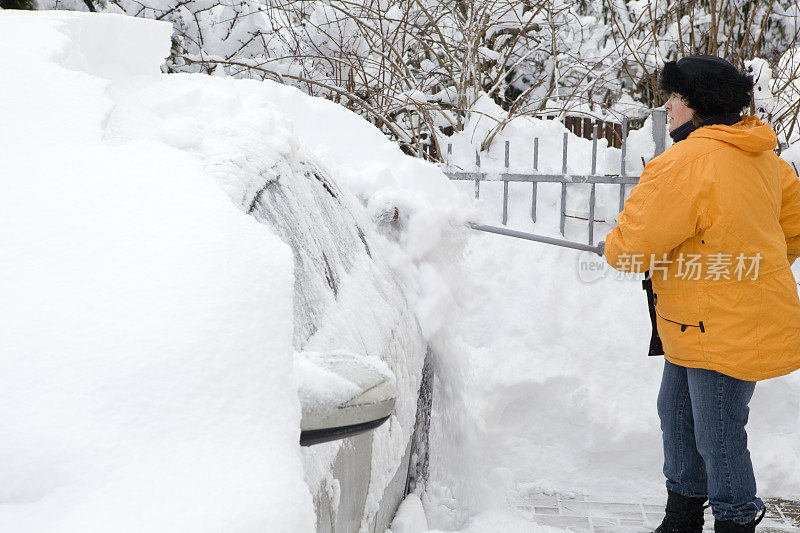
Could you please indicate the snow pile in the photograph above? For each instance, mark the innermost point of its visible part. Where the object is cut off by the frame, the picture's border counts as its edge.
(242, 139)
(147, 343)
(410, 517)
(77, 43)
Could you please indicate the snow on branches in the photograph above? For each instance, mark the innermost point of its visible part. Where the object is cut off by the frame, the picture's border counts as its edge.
(416, 68)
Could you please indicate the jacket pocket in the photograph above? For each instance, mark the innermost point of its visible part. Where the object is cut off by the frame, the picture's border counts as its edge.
(683, 331)
(682, 316)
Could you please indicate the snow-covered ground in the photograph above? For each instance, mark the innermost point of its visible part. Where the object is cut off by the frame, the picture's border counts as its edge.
(115, 422)
(552, 391)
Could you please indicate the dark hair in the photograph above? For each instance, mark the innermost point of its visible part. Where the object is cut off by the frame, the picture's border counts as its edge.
(710, 85)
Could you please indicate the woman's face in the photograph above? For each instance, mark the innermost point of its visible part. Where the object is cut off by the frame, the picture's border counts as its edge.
(678, 111)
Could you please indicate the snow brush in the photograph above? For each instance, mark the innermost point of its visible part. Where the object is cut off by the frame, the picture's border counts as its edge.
(539, 238)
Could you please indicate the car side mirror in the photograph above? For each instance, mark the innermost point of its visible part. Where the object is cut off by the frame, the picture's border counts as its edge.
(342, 395)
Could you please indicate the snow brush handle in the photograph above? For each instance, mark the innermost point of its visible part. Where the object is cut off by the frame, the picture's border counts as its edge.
(598, 249)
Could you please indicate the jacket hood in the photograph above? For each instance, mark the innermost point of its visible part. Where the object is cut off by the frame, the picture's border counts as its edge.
(750, 134)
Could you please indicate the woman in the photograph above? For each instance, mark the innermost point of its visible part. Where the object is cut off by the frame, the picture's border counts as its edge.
(716, 221)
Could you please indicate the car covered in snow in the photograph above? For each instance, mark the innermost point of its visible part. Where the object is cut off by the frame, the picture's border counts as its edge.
(361, 355)
(207, 272)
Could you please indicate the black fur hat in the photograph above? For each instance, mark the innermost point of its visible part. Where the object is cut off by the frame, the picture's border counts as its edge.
(711, 85)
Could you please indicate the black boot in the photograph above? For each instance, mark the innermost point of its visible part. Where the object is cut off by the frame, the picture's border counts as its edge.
(733, 527)
(683, 514)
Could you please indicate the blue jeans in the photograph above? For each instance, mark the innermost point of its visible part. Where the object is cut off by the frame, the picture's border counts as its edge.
(703, 414)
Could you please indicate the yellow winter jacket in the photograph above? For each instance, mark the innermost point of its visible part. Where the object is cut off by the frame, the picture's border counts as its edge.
(723, 200)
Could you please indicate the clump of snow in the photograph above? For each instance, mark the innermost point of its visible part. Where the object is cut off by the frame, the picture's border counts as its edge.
(762, 84)
(410, 517)
(318, 385)
(242, 138)
(99, 45)
(146, 363)
(641, 145)
(792, 156)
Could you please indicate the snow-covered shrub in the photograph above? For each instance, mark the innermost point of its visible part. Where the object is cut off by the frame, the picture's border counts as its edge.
(786, 90)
